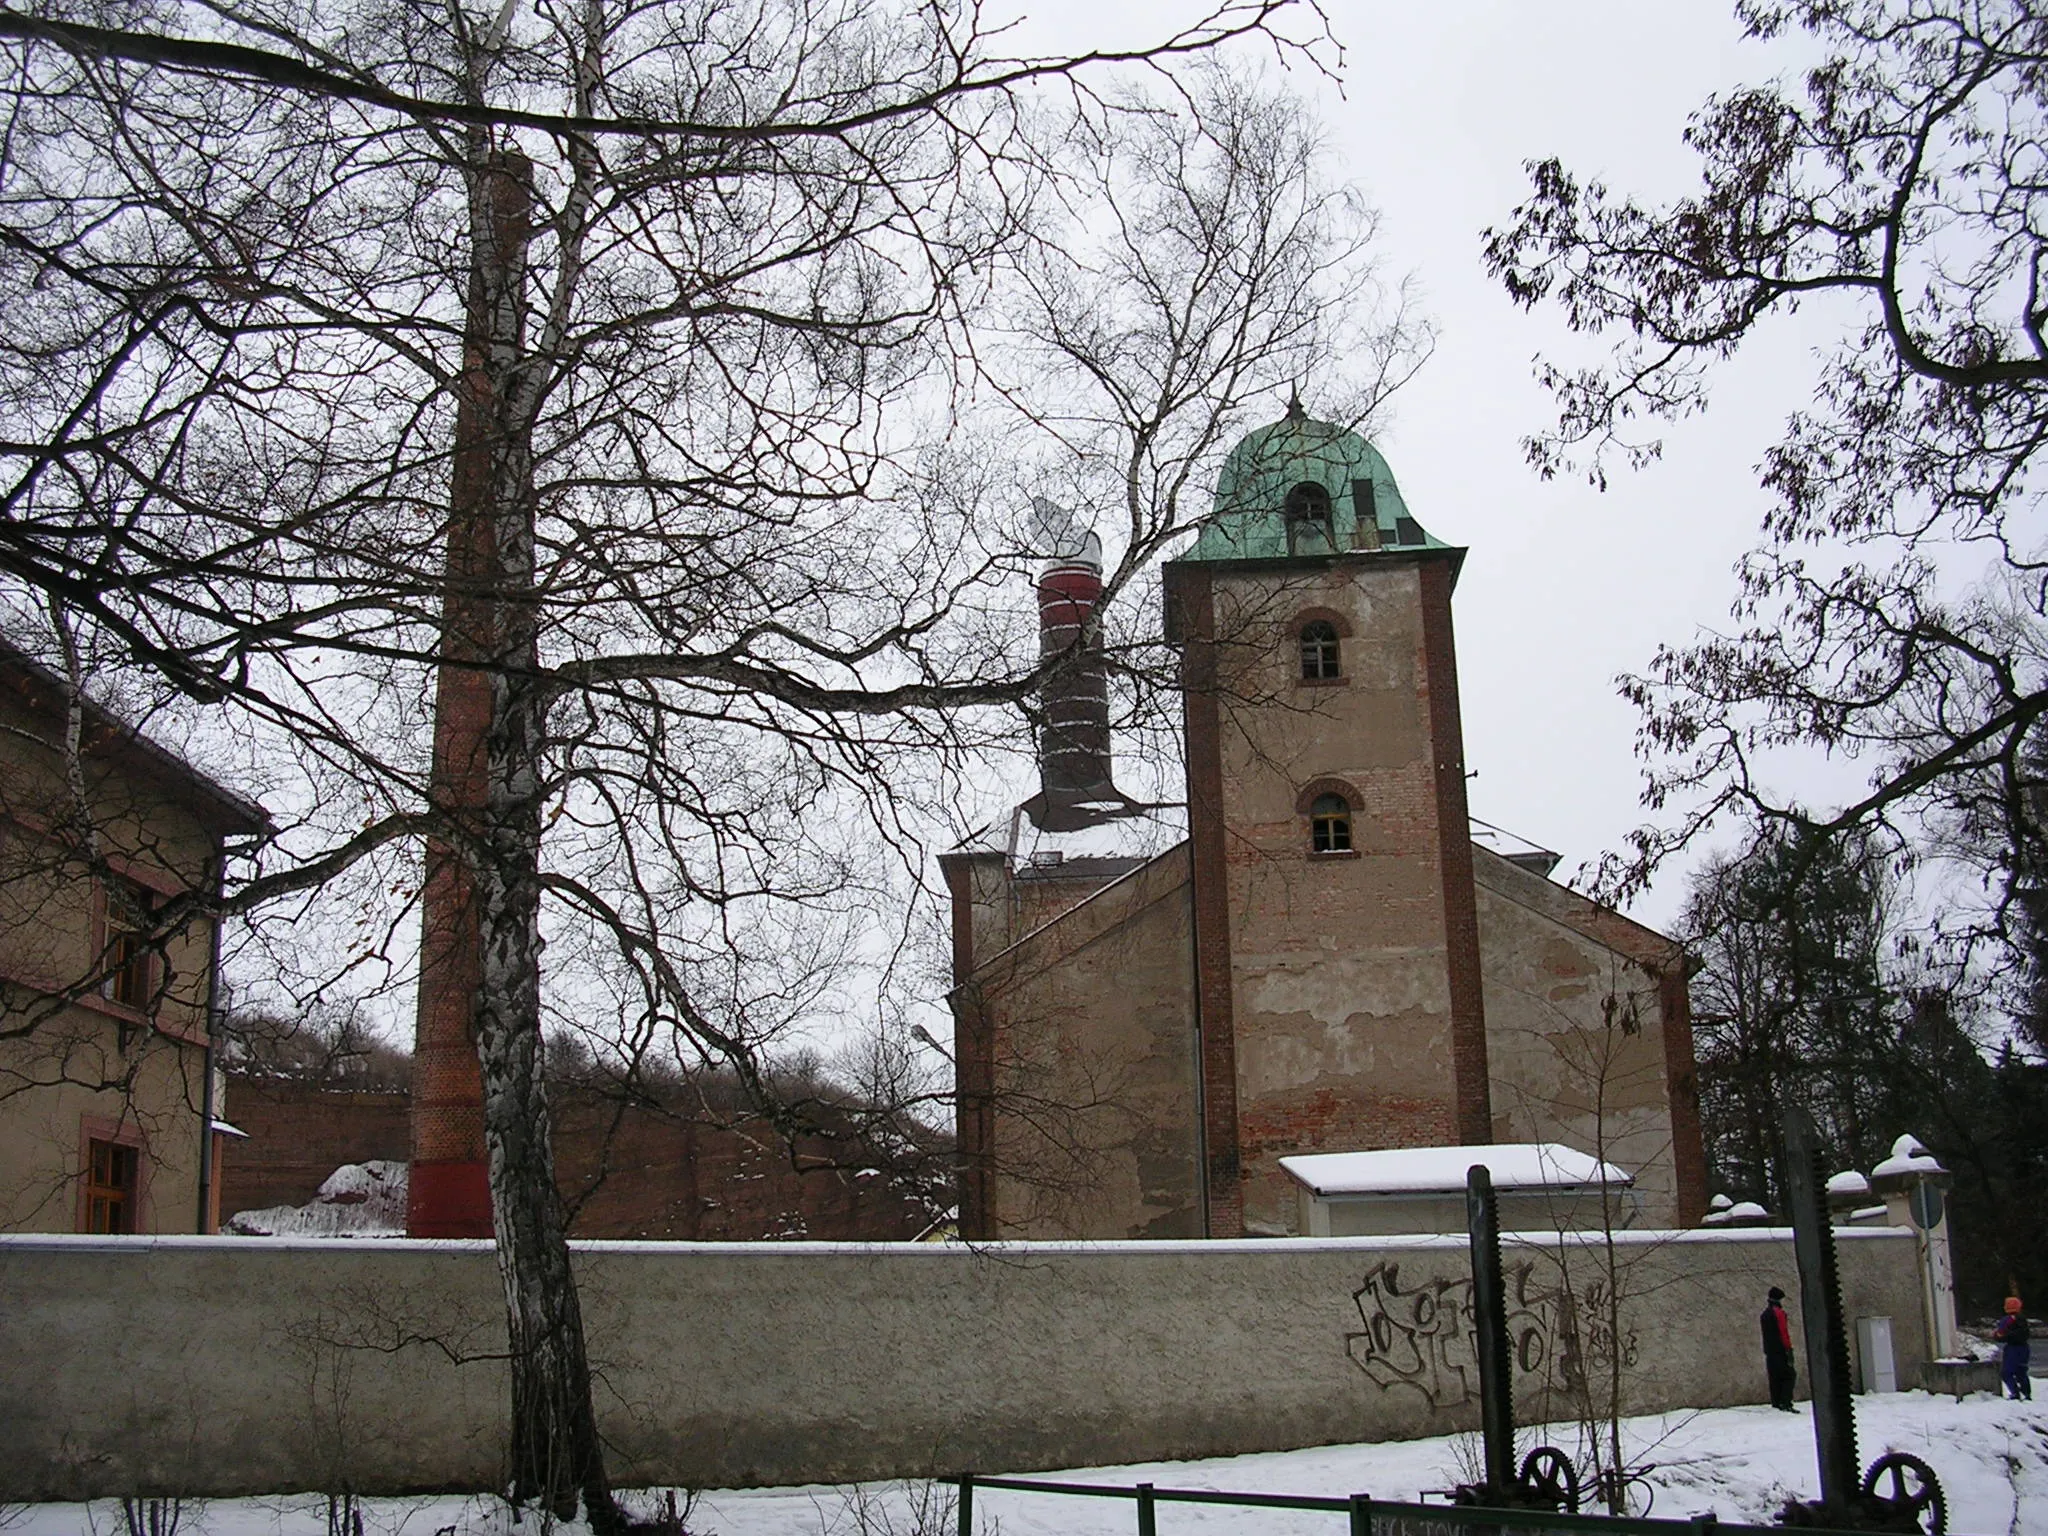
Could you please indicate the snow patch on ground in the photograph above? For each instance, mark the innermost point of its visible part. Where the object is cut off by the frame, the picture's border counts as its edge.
(1740, 1463)
(357, 1200)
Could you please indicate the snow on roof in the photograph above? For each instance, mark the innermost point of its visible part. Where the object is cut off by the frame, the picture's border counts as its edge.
(1141, 835)
(1441, 1170)
(1514, 847)
(1849, 1183)
(224, 1129)
(1908, 1156)
(356, 1200)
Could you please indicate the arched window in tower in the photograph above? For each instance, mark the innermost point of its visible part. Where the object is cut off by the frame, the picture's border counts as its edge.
(1319, 654)
(1329, 824)
(1309, 526)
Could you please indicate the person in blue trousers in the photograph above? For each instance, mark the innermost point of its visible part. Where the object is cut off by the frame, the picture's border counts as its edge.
(2012, 1335)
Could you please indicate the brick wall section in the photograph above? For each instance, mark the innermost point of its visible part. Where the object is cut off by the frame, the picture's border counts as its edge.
(646, 1175)
(1341, 983)
(636, 1175)
(1328, 1119)
(299, 1134)
(1688, 1141)
(1461, 914)
(973, 1056)
(1191, 597)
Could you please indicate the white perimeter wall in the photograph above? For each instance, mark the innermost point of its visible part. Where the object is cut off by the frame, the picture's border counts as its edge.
(219, 1366)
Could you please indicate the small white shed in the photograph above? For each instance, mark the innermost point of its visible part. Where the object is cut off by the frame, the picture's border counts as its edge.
(1543, 1186)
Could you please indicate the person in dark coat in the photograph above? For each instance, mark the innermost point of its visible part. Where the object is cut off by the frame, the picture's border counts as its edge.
(1777, 1330)
(2012, 1334)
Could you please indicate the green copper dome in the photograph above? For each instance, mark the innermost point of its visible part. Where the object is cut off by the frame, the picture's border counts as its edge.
(1266, 507)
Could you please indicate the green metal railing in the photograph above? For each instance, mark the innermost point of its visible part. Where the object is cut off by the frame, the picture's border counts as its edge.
(1367, 1516)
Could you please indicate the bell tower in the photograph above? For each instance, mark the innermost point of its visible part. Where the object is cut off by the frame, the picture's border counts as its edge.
(1337, 971)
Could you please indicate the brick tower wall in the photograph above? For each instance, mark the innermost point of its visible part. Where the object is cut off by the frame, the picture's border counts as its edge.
(1353, 1005)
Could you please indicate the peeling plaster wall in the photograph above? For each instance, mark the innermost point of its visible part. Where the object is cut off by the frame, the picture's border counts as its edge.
(1575, 1047)
(1340, 987)
(216, 1367)
(1091, 1027)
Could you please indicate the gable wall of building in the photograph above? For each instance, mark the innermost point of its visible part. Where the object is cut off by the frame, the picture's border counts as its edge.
(1088, 1029)
(1576, 1037)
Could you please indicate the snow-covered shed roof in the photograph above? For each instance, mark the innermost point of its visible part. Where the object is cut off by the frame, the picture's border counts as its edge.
(1441, 1170)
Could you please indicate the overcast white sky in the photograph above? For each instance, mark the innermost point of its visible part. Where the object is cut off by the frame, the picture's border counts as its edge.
(1565, 586)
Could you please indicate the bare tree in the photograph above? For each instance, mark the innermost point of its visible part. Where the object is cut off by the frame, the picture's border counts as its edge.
(599, 365)
(1892, 181)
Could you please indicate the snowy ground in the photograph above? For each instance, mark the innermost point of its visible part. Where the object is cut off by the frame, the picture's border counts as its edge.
(1741, 1463)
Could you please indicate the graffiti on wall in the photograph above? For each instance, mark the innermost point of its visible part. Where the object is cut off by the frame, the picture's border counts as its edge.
(1420, 1337)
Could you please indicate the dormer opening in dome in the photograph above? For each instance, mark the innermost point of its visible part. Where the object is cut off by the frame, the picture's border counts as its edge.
(1311, 525)
(1301, 487)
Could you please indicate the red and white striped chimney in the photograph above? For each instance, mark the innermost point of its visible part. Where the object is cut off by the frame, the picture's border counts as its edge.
(1075, 786)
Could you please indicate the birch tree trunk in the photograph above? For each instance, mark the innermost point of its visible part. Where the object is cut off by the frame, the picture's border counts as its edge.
(555, 1454)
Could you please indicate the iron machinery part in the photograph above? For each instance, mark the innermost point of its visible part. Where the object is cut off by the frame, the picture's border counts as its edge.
(1629, 1487)
(1490, 1330)
(1821, 1312)
(1548, 1478)
(1913, 1491)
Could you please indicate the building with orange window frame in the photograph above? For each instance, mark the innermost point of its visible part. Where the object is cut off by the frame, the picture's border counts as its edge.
(108, 1118)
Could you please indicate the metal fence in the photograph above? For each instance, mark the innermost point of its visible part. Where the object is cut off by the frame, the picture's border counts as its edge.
(1367, 1516)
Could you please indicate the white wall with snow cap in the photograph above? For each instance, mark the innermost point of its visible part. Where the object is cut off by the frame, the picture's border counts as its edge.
(220, 1366)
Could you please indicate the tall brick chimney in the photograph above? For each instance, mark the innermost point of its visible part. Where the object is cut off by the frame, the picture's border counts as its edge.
(1075, 787)
(449, 1191)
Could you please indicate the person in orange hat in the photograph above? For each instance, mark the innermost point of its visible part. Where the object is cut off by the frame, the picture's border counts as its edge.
(2012, 1334)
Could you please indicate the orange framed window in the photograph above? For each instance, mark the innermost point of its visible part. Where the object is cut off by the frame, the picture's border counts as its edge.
(112, 1186)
